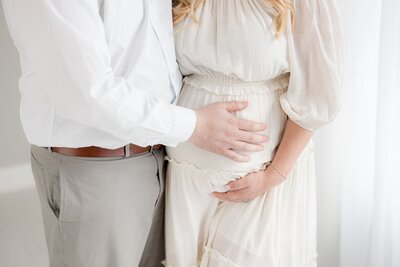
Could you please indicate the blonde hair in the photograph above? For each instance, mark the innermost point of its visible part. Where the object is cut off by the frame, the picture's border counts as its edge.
(186, 8)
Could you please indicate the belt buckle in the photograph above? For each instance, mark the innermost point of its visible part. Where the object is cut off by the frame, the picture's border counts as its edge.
(127, 151)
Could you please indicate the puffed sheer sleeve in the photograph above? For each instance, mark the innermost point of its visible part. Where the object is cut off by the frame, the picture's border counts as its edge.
(315, 54)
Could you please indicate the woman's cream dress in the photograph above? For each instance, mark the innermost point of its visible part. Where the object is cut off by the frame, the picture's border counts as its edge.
(233, 54)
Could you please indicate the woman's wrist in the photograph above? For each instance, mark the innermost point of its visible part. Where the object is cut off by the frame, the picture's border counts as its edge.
(278, 171)
(271, 178)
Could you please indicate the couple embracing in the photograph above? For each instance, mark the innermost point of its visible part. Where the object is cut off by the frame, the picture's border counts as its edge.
(177, 133)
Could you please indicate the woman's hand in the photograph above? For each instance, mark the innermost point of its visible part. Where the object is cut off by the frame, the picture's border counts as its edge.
(293, 142)
(251, 186)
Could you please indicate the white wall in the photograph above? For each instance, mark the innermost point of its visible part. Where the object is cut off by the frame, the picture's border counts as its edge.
(13, 145)
(328, 198)
(21, 234)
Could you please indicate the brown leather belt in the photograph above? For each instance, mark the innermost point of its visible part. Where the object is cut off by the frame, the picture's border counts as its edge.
(93, 151)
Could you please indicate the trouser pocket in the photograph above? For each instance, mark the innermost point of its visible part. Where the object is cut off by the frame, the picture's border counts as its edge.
(48, 183)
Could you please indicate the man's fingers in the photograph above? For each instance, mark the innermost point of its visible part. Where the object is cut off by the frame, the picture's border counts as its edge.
(252, 138)
(232, 106)
(224, 134)
(251, 126)
(235, 156)
(246, 147)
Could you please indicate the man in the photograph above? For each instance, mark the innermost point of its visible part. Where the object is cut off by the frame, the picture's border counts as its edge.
(99, 79)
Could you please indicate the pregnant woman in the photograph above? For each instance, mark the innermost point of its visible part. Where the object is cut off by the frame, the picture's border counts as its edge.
(284, 59)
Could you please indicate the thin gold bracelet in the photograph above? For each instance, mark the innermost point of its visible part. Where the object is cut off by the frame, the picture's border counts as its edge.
(278, 171)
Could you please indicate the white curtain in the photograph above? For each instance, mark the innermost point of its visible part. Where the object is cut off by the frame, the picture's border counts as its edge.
(359, 155)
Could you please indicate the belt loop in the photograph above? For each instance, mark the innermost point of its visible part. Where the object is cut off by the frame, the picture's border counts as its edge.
(127, 151)
(49, 149)
(151, 149)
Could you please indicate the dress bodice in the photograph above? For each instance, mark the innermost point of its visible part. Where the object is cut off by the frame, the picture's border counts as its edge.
(232, 38)
(235, 39)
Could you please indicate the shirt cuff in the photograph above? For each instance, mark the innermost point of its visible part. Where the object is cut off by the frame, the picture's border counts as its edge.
(184, 123)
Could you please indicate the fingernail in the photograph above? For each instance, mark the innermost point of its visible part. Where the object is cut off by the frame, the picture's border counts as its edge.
(227, 187)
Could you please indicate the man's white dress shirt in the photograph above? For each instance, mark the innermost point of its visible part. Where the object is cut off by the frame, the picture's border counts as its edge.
(98, 72)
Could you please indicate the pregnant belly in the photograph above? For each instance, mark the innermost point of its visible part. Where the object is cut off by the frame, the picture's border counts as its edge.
(264, 106)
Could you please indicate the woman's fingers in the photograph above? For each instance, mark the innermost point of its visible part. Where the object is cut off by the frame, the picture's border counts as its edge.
(246, 188)
(239, 190)
(235, 196)
(238, 184)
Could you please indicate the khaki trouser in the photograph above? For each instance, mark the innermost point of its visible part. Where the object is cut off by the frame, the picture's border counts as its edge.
(101, 212)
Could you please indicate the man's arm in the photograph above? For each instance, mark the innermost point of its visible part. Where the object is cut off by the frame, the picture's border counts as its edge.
(65, 43)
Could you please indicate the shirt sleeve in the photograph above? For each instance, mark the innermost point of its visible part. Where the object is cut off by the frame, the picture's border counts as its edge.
(316, 54)
(66, 44)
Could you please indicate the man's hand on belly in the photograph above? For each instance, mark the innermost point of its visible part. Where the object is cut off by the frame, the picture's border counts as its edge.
(219, 131)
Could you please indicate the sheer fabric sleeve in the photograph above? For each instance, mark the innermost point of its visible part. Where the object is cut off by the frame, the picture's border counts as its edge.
(315, 47)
